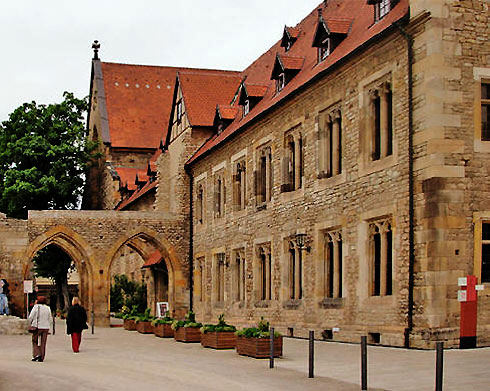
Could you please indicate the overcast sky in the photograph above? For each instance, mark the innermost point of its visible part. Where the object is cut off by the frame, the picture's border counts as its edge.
(46, 44)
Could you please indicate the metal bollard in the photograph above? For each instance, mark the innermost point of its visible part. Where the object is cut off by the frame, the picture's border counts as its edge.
(439, 365)
(364, 379)
(271, 358)
(311, 358)
(54, 324)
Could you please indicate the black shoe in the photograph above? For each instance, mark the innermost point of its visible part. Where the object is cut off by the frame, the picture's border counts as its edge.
(37, 358)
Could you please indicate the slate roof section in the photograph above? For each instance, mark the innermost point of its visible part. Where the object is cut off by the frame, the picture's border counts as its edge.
(362, 30)
(203, 91)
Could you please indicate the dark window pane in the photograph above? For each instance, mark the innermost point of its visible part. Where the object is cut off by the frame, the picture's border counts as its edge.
(485, 231)
(485, 263)
(485, 122)
(485, 91)
(377, 265)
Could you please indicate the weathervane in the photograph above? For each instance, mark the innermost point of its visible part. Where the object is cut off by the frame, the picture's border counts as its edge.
(96, 47)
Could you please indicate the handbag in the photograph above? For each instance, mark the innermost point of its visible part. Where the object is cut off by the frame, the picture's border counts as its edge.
(31, 328)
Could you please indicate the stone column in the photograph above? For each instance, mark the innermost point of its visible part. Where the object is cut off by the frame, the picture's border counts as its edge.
(335, 142)
(268, 189)
(383, 263)
(384, 139)
(297, 162)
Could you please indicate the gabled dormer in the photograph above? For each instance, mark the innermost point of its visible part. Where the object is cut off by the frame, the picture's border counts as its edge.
(289, 37)
(382, 8)
(285, 68)
(224, 116)
(250, 95)
(329, 33)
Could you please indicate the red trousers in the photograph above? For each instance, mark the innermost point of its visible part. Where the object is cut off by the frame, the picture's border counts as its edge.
(76, 339)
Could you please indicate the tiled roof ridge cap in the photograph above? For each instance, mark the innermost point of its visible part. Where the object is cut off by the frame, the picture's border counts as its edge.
(218, 73)
(184, 69)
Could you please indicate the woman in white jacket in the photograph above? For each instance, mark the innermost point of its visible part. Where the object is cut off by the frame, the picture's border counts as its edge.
(41, 318)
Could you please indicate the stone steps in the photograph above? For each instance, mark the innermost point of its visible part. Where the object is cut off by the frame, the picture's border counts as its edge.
(12, 325)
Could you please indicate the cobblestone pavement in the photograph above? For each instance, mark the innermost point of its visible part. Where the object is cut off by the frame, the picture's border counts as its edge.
(116, 359)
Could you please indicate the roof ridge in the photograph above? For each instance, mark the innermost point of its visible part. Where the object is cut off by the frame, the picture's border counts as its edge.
(170, 67)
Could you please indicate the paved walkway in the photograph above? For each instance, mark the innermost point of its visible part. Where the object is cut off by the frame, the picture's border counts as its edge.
(116, 359)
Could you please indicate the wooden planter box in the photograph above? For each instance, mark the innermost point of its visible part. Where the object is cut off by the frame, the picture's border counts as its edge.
(188, 334)
(163, 330)
(219, 339)
(144, 327)
(258, 347)
(129, 324)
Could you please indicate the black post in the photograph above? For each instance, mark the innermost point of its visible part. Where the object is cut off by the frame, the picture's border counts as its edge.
(54, 324)
(439, 365)
(93, 319)
(363, 363)
(311, 358)
(271, 358)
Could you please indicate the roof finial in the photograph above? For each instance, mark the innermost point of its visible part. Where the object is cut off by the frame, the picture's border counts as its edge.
(96, 47)
(319, 12)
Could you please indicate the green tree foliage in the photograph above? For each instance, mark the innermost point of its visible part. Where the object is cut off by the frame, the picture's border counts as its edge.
(53, 263)
(125, 292)
(44, 154)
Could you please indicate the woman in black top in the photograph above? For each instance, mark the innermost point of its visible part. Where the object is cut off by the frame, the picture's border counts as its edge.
(76, 321)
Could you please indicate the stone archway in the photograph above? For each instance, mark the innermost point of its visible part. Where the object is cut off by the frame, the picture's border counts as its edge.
(145, 242)
(77, 249)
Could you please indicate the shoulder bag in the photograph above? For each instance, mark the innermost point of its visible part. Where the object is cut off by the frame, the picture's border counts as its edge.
(33, 329)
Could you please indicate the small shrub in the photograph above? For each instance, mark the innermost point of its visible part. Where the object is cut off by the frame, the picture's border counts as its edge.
(261, 331)
(221, 326)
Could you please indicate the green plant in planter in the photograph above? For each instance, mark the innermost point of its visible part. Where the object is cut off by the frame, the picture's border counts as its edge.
(167, 319)
(130, 313)
(145, 317)
(261, 331)
(189, 321)
(221, 326)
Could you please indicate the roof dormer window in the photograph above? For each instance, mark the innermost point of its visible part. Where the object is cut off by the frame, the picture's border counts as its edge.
(382, 8)
(285, 68)
(246, 107)
(280, 82)
(289, 37)
(324, 50)
(329, 34)
(179, 110)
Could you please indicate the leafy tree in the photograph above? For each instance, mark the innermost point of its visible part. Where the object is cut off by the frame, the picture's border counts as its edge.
(44, 154)
(125, 292)
(53, 263)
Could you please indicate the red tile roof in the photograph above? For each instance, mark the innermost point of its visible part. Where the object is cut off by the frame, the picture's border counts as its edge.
(339, 26)
(293, 32)
(139, 102)
(361, 31)
(127, 176)
(291, 62)
(203, 91)
(227, 112)
(147, 188)
(255, 90)
(154, 259)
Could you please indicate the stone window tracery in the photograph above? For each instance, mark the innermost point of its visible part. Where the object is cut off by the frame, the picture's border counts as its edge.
(292, 164)
(381, 121)
(239, 269)
(219, 195)
(295, 275)
(200, 204)
(264, 272)
(239, 185)
(263, 176)
(219, 279)
(330, 144)
(332, 264)
(381, 257)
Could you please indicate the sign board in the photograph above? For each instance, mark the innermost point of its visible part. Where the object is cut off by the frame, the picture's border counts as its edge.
(28, 286)
(462, 295)
(462, 281)
(335, 329)
(479, 287)
(162, 307)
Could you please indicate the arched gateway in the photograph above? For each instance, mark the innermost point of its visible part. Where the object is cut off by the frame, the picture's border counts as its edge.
(93, 239)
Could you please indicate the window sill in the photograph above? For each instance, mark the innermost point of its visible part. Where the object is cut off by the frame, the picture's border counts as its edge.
(332, 303)
(327, 182)
(262, 304)
(369, 167)
(292, 195)
(292, 304)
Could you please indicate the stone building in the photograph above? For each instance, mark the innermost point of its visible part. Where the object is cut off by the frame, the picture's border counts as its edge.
(339, 183)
